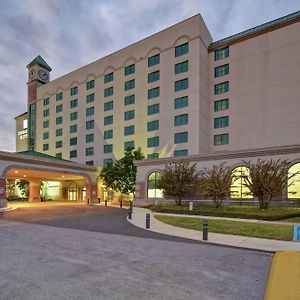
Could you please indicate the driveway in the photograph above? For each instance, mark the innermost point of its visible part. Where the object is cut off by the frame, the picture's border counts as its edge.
(94, 253)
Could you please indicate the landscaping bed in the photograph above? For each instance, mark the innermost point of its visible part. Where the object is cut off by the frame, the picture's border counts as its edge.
(242, 212)
(266, 231)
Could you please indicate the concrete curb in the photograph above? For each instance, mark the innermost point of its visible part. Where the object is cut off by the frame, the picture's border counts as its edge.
(284, 277)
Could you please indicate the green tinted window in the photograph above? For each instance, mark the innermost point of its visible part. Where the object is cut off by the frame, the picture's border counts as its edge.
(108, 105)
(153, 60)
(59, 132)
(129, 70)
(90, 98)
(59, 144)
(108, 148)
(181, 102)
(90, 84)
(59, 108)
(109, 91)
(181, 49)
(45, 135)
(128, 85)
(59, 120)
(153, 125)
(89, 124)
(74, 103)
(183, 152)
(45, 147)
(46, 112)
(220, 105)
(129, 100)
(154, 76)
(73, 128)
(46, 101)
(129, 130)
(129, 115)
(221, 88)
(109, 77)
(73, 116)
(221, 122)
(73, 153)
(153, 155)
(222, 70)
(222, 53)
(182, 67)
(181, 120)
(153, 109)
(153, 142)
(74, 91)
(108, 134)
(73, 141)
(180, 137)
(89, 138)
(59, 96)
(221, 139)
(153, 93)
(128, 145)
(108, 120)
(181, 84)
(89, 151)
(89, 111)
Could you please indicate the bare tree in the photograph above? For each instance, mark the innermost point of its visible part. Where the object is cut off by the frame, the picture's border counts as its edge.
(215, 183)
(177, 180)
(268, 179)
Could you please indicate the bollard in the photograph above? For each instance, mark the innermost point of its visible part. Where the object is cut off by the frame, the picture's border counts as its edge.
(99, 200)
(105, 202)
(191, 206)
(147, 221)
(205, 230)
(131, 204)
(121, 204)
(129, 213)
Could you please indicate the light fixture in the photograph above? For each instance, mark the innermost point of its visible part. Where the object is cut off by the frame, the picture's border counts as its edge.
(16, 172)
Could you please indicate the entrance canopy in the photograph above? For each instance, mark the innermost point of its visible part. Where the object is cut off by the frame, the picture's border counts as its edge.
(37, 167)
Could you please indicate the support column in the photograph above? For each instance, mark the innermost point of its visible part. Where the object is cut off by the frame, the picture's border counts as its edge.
(91, 193)
(3, 201)
(34, 190)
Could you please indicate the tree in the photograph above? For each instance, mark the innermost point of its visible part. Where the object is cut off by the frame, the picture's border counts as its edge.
(10, 187)
(23, 186)
(268, 179)
(215, 183)
(177, 180)
(121, 176)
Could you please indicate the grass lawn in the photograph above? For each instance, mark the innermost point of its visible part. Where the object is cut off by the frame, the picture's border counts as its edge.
(292, 220)
(243, 212)
(266, 231)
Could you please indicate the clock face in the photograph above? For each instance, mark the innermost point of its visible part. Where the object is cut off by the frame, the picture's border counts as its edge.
(43, 75)
(32, 73)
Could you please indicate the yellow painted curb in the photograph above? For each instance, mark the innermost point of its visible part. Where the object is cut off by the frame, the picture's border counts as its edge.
(284, 277)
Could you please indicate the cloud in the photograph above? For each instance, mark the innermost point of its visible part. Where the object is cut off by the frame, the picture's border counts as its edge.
(70, 34)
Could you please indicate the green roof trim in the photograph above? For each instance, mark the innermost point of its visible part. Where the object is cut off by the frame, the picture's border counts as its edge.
(39, 154)
(41, 62)
(249, 32)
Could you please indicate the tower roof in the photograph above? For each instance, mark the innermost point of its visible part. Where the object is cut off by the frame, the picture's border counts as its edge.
(41, 62)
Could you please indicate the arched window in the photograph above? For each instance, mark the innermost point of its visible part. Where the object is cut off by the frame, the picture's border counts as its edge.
(153, 191)
(238, 190)
(294, 189)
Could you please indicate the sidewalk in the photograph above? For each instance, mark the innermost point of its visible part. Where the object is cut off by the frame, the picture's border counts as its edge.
(139, 220)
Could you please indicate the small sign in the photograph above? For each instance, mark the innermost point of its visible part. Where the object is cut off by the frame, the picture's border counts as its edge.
(2, 190)
(296, 233)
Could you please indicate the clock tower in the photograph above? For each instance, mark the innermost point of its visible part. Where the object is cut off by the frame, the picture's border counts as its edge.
(38, 75)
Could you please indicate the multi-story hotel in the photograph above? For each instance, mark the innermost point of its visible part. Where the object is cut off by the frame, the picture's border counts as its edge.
(174, 94)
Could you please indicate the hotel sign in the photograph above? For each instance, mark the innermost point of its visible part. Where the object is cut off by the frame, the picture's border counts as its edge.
(23, 134)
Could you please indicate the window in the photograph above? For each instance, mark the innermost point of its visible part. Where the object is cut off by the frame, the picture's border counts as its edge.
(221, 139)
(153, 155)
(73, 153)
(153, 93)
(109, 91)
(182, 67)
(59, 108)
(46, 124)
(59, 144)
(46, 101)
(181, 49)
(181, 120)
(153, 60)
(45, 147)
(128, 85)
(74, 91)
(129, 115)
(89, 163)
(108, 120)
(73, 128)
(154, 76)
(90, 84)
(181, 102)
(59, 132)
(183, 152)
(74, 103)
(90, 98)
(108, 148)
(58, 155)
(222, 53)
(153, 125)
(129, 70)
(128, 145)
(129, 130)
(59, 96)
(73, 116)
(181, 84)
(109, 77)
(89, 151)
(153, 142)
(59, 120)
(108, 134)
(222, 70)
(152, 190)
(90, 111)
(89, 138)
(238, 190)
(221, 88)
(46, 112)
(108, 105)
(221, 122)
(180, 137)
(221, 105)
(129, 100)
(153, 109)
(45, 135)
(89, 124)
(73, 141)
(107, 161)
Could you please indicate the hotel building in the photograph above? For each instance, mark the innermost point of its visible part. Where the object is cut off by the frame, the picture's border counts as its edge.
(176, 93)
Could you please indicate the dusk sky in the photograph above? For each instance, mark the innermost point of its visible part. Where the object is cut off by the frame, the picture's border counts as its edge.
(71, 33)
